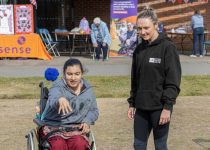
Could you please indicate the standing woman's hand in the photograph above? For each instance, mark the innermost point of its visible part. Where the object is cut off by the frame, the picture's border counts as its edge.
(131, 112)
(64, 106)
(165, 117)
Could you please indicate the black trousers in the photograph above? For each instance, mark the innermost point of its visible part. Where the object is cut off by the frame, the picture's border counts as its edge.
(104, 49)
(144, 122)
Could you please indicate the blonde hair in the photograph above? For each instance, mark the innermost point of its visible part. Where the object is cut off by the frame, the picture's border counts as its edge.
(148, 12)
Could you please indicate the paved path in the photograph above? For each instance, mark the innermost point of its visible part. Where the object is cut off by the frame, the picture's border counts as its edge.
(115, 66)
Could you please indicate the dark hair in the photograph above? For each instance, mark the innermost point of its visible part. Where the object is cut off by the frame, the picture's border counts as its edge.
(148, 12)
(72, 62)
(196, 11)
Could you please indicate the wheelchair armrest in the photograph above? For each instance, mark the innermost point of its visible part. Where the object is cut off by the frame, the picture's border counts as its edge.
(38, 122)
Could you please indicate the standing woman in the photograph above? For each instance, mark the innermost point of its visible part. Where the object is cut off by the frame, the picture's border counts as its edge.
(72, 106)
(155, 81)
(197, 24)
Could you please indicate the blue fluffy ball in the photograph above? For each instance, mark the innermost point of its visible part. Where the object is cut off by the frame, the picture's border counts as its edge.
(51, 74)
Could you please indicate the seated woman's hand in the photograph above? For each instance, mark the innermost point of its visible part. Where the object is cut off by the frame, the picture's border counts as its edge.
(85, 128)
(64, 106)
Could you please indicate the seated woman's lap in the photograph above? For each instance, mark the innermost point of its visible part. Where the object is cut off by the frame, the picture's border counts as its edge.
(76, 142)
(57, 143)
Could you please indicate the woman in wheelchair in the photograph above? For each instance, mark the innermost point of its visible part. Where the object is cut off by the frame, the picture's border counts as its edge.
(71, 107)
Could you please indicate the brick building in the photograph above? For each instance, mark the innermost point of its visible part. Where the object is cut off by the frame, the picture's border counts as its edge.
(172, 15)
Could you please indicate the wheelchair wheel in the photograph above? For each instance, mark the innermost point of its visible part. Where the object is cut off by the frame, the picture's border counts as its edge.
(30, 140)
(92, 141)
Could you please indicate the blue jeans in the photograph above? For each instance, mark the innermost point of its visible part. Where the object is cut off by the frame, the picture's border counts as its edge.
(198, 39)
(144, 122)
(98, 50)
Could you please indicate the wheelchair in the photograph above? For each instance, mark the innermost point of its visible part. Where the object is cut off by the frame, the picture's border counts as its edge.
(33, 138)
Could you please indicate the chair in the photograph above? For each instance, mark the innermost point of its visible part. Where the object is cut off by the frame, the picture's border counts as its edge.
(80, 41)
(42, 142)
(49, 43)
(206, 43)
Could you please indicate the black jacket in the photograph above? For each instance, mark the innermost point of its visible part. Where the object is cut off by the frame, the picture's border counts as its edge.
(155, 75)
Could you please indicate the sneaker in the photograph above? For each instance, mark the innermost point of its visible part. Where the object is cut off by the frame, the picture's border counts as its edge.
(201, 56)
(193, 56)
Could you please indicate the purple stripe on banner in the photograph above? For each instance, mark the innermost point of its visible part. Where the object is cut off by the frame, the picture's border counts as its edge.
(123, 8)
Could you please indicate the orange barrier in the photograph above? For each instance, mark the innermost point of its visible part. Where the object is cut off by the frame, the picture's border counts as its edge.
(25, 46)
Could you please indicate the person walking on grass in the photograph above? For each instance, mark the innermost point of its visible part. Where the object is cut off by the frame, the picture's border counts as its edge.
(155, 82)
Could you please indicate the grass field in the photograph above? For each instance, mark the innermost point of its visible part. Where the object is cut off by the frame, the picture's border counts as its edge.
(189, 128)
(104, 87)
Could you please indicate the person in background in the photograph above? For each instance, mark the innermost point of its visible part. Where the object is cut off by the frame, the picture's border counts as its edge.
(197, 24)
(161, 27)
(84, 25)
(155, 83)
(100, 37)
(123, 29)
(72, 106)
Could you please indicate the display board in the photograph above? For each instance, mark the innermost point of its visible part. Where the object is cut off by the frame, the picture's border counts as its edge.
(24, 20)
(6, 19)
(122, 13)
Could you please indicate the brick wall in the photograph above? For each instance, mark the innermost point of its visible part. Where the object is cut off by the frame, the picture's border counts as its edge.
(91, 9)
(49, 12)
(172, 15)
(176, 15)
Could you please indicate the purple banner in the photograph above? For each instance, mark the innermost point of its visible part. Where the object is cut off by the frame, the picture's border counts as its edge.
(123, 8)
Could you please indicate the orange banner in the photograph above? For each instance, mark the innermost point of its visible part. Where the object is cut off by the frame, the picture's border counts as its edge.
(25, 45)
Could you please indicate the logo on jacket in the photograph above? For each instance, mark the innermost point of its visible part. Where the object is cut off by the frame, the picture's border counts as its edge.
(155, 60)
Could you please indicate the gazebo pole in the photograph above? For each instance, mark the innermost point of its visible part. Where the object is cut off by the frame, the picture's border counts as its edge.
(72, 14)
(63, 24)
